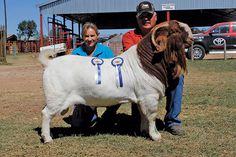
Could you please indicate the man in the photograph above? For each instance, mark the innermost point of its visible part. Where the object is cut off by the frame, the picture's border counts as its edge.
(146, 20)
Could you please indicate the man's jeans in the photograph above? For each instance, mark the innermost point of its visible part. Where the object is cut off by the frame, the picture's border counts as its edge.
(174, 103)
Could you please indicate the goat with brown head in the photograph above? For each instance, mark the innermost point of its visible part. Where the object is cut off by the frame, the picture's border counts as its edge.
(166, 55)
(171, 38)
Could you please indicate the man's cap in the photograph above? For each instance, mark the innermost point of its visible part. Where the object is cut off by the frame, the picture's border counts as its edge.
(145, 7)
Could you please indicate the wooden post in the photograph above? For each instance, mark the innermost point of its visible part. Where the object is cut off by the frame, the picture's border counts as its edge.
(191, 50)
(4, 60)
(3, 40)
(225, 58)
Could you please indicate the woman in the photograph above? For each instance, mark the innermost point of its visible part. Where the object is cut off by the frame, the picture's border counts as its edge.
(90, 46)
(84, 116)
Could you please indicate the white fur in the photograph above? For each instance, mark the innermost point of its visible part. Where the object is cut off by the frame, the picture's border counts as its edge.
(70, 80)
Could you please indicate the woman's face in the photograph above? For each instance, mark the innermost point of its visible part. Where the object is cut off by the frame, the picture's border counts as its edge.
(90, 37)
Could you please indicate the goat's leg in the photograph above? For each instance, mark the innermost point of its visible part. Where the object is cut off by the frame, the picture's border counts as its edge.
(148, 107)
(144, 129)
(154, 134)
(54, 108)
(46, 119)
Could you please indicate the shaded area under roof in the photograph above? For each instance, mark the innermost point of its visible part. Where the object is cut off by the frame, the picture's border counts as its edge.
(128, 20)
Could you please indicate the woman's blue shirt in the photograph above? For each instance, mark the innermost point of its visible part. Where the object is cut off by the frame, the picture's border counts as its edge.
(101, 51)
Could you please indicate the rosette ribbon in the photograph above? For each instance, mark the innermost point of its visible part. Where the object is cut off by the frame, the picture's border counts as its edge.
(117, 63)
(97, 62)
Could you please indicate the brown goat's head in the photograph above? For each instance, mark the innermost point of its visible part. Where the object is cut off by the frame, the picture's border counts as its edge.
(172, 38)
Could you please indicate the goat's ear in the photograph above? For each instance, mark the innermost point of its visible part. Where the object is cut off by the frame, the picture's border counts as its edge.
(186, 28)
(160, 43)
(189, 40)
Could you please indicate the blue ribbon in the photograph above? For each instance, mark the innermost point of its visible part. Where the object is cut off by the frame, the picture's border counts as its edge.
(117, 63)
(97, 62)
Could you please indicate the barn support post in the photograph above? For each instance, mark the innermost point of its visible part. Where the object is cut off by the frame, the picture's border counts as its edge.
(168, 16)
(79, 27)
(41, 30)
(54, 29)
(64, 26)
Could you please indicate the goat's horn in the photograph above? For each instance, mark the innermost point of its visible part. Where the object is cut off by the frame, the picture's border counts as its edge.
(163, 24)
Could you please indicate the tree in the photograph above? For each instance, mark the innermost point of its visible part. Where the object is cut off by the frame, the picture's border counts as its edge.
(27, 29)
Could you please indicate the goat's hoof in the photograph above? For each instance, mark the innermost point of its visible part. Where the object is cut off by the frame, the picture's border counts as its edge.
(47, 140)
(156, 137)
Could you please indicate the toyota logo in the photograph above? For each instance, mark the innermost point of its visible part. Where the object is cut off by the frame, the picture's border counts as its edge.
(219, 41)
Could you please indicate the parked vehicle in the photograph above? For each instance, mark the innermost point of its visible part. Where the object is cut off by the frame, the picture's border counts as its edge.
(213, 39)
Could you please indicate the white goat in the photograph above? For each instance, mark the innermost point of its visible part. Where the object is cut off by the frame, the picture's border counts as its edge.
(70, 80)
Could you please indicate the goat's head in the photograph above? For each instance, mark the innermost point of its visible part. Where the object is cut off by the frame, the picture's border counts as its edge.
(172, 38)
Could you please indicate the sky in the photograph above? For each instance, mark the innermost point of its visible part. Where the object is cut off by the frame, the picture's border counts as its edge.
(19, 10)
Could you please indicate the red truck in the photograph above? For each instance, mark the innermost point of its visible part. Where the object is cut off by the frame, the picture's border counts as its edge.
(214, 39)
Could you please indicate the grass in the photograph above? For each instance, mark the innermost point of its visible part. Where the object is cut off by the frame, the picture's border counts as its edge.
(208, 114)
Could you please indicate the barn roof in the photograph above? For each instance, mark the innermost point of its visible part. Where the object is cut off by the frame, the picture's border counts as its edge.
(121, 13)
(117, 6)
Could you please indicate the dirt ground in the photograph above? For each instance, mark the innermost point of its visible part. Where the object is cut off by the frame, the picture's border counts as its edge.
(220, 56)
(21, 85)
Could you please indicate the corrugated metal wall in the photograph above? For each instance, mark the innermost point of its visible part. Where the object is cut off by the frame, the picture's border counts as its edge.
(103, 6)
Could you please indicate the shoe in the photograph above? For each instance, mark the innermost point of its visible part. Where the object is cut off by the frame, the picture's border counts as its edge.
(94, 121)
(176, 130)
(160, 124)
